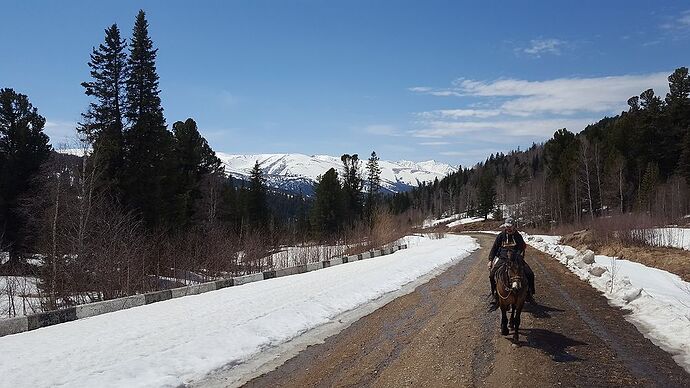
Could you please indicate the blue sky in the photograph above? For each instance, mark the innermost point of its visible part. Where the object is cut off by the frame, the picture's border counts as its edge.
(447, 80)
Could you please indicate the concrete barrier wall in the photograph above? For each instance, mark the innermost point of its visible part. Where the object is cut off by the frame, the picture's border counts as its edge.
(108, 306)
(14, 326)
(35, 321)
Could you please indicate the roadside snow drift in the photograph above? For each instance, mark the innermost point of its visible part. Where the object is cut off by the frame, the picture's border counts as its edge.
(181, 340)
(659, 301)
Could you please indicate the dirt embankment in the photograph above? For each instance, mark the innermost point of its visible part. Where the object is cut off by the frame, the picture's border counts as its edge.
(673, 260)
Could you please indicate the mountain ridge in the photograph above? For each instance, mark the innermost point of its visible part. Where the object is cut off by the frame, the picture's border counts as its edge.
(297, 172)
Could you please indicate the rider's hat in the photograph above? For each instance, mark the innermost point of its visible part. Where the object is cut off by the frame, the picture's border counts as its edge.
(508, 223)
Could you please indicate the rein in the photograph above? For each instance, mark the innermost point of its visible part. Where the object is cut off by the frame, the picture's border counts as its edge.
(502, 273)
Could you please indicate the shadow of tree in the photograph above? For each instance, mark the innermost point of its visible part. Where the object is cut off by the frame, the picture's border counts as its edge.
(552, 343)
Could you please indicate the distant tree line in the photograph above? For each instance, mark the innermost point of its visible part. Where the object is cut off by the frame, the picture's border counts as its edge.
(637, 161)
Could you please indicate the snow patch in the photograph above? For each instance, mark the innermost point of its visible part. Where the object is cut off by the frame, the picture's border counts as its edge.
(175, 342)
(658, 301)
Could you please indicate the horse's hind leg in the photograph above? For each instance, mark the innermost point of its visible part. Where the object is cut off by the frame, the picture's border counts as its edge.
(504, 320)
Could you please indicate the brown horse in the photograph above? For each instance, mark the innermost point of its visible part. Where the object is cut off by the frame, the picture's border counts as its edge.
(512, 288)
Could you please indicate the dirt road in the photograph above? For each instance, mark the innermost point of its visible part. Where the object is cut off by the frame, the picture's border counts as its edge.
(443, 334)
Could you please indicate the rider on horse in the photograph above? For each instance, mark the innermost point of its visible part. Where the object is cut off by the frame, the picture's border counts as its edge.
(509, 242)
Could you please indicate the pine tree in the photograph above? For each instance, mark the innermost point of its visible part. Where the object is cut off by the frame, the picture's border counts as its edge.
(103, 121)
(149, 168)
(327, 213)
(23, 148)
(486, 194)
(373, 184)
(257, 210)
(352, 186)
(194, 160)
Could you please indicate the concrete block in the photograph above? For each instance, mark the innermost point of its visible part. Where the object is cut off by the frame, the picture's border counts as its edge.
(108, 306)
(373, 254)
(345, 259)
(157, 296)
(193, 290)
(403, 246)
(360, 257)
(269, 274)
(352, 258)
(336, 261)
(286, 272)
(382, 252)
(365, 255)
(224, 283)
(13, 326)
(255, 277)
(326, 263)
(314, 266)
(50, 318)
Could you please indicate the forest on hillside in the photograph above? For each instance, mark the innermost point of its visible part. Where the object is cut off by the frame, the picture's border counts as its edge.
(637, 162)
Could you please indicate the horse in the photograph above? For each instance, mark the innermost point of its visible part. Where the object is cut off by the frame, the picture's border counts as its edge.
(512, 289)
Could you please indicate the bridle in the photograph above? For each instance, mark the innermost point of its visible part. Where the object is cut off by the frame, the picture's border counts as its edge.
(516, 278)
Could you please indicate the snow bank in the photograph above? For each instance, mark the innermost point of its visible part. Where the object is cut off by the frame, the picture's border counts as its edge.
(659, 301)
(464, 221)
(181, 340)
(669, 237)
(431, 223)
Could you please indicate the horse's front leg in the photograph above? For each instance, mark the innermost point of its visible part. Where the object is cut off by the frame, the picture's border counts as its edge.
(511, 323)
(518, 311)
(504, 320)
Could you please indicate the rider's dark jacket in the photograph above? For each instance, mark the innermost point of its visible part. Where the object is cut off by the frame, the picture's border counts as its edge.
(507, 242)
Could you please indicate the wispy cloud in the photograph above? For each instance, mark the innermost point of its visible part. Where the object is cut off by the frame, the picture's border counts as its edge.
(434, 143)
(541, 128)
(539, 47)
(61, 132)
(678, 22)
(562, 96)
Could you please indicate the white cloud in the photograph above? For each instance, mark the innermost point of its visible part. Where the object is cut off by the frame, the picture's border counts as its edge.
(542, 128)
(564, 96)
(680, 22)
(461, 113)
(434, 143)
(538, 47)
(61, 132)
(420, 89)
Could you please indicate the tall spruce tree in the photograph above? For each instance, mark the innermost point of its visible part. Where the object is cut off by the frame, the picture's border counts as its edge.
(194, 160)
(352, 186)
(257, 210)
(103, 121)
(328, 210)
(23, 148)
(149, 169)
(373, 184)
(486, 193)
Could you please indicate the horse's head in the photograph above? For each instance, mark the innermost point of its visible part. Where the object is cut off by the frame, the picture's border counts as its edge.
(515, 271)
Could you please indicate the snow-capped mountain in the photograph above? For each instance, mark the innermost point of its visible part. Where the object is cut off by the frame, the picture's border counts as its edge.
(298, 172)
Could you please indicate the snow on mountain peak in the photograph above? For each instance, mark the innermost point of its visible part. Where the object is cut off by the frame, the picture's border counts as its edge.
(295, 172)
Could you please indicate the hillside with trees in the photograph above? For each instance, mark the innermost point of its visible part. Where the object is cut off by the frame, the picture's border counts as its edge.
(635, 162)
